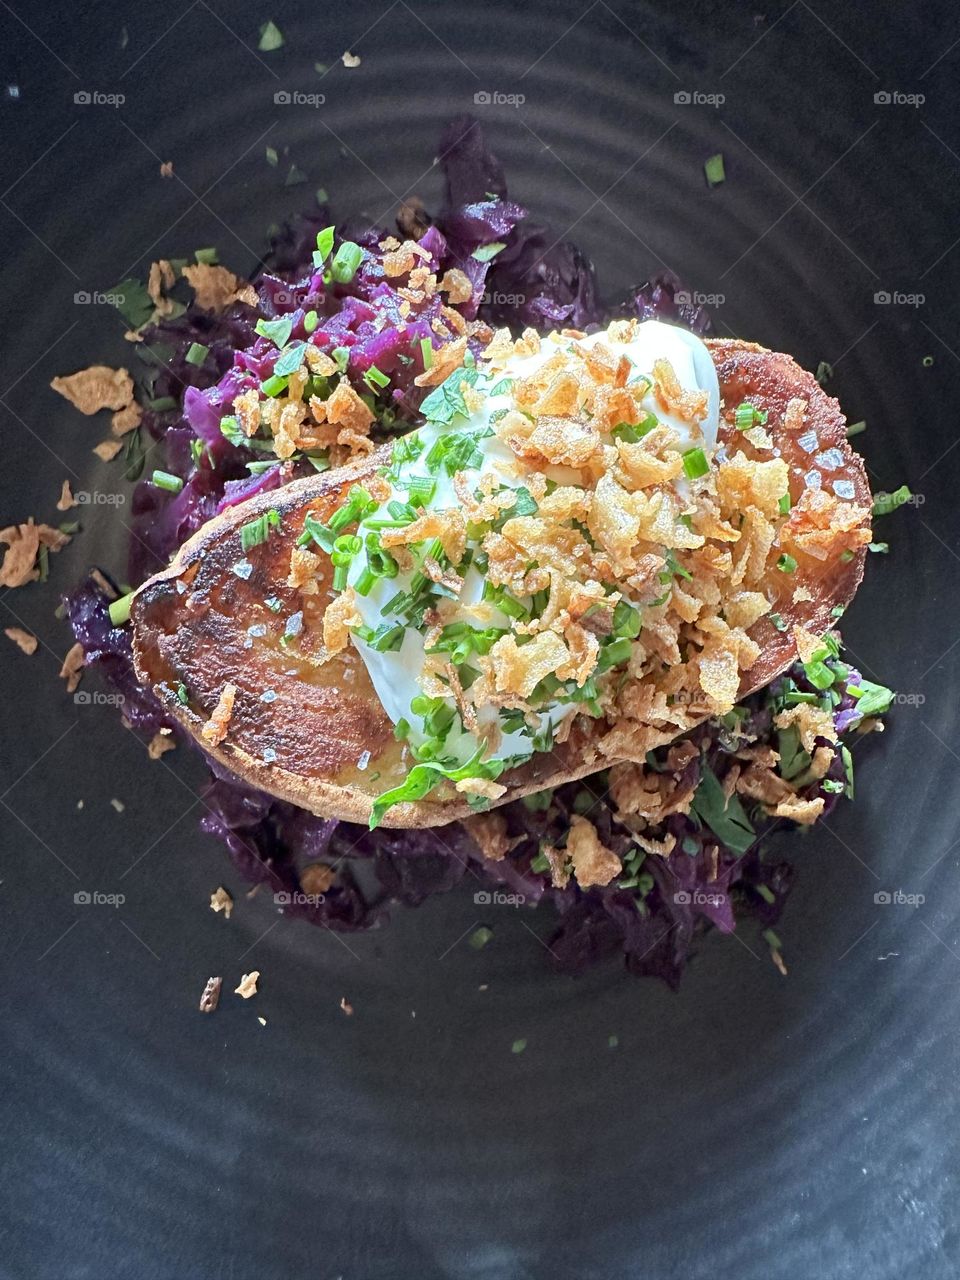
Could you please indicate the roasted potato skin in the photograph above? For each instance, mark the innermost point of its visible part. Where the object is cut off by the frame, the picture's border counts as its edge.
(317, 742)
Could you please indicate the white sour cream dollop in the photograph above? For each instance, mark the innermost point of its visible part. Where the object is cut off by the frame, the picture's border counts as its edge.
(395, 674)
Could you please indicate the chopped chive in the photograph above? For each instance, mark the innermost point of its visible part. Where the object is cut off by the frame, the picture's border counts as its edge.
(927, 362)
(420, 490)
(345, 262)
(162, 404)
(375, 377)
(120, 610)
(164, 480)
(746, 416)
(487, 252)
(713, 168)
(856, 429)
(207, 257)
(274, 385)
(518, 1046)
(787, 564)
(426, 350)
(784, 504)
(887, 502)
(695, 463)
(182, 696)
(271, 38)
(196, 353)
(310, 321)
(767, 894)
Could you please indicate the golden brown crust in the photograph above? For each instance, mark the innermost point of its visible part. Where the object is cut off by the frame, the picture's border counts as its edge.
(192, 624)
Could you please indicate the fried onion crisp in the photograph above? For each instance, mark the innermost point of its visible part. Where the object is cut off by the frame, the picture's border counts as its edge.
(215, 729)
(811, 722)
(489, 830)
(449, 526)
(743, 483)
(338, 618)
(593, 862)
(216, 288)
(517, 670)
(19, 560)
(823, 526)
(96, 388)
(24, 641)
(345, 408)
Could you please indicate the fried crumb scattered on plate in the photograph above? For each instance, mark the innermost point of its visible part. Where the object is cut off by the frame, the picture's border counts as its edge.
(22, 639)
(350, 59)
(220, 900)
(72, 669)
(166, 169)
(248, 985)
(160, 744)
(346, 1006)
(95, 388)
(67, 499)
(210, 997)
(118, 804)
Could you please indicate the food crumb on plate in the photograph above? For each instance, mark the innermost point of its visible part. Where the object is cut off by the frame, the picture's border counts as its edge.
(166, 169)
(160, 744)
(72, 669)
(220, 900)
(350, 59)
(248, 985)
(210, 995)
(22, 639)
(262, 1021)
(118, 804)
(66, 499)
(346, 1006)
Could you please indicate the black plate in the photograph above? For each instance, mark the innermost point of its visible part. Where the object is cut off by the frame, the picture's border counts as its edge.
(752, 1126)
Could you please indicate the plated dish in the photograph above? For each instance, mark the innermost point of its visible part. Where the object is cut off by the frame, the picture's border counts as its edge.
(540, 587)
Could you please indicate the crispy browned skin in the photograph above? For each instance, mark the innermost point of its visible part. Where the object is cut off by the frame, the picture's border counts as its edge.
(192, 625)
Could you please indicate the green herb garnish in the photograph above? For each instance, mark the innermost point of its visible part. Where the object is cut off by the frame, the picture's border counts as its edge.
(725, 818)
